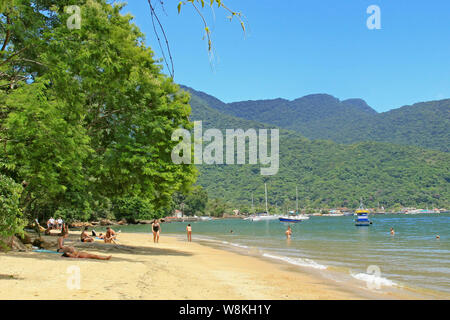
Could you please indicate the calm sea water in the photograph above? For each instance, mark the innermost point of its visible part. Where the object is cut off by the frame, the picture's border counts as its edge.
(412, 258)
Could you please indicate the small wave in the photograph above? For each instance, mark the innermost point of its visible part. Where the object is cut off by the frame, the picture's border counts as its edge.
(235, 245)
(374, 279)
(297, 261)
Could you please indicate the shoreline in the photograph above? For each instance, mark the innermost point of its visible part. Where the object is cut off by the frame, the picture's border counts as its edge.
(171, 270)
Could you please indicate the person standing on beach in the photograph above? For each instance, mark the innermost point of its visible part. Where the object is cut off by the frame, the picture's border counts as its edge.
(189, 232)
(156, 228)
(63, 235)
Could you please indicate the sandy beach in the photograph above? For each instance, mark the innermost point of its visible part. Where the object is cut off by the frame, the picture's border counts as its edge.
(172, 269)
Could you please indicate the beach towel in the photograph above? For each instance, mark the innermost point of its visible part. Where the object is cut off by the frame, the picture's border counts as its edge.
(47, 251)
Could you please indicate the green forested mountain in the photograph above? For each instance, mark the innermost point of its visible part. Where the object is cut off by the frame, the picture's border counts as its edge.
(328, 174)
(322, 116)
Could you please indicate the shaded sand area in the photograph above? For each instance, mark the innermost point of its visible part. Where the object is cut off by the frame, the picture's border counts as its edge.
(172, 269)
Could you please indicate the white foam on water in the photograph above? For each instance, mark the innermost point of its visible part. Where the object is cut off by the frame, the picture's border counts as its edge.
(235, 245)
(374, 280)
(297, 261)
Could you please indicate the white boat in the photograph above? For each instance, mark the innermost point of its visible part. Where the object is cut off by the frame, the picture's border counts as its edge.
(334, 213)
(265, 216)
(294, 218)
(262, 217)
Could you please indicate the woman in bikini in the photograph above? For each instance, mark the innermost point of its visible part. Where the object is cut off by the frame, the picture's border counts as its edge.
(189, 232)
(156, 228)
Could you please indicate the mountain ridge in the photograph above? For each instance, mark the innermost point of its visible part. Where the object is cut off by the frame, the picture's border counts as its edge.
(323, 116)
(327, 174)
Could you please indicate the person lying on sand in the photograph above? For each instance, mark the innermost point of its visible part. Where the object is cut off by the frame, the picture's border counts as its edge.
(85, 236)
(63, 235)
(84, 255)
(110, 235)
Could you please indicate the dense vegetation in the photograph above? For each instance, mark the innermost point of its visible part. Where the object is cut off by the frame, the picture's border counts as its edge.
(86, 116)
(327, 174)
(322, 116)
(10, 213)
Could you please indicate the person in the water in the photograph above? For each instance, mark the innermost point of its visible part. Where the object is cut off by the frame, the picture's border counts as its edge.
(288, 233)
(392, 232)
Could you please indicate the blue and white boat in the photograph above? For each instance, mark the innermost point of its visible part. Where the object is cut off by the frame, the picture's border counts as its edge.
(294, 217)
(362, 217)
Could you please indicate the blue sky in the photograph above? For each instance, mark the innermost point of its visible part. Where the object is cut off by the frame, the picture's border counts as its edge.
(295, 47)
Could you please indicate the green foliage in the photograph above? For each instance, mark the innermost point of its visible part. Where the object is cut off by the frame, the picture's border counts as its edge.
(132, 209)
(327, 174)
(86, 115)
(217, 207)
(10, 214)
(193, 203)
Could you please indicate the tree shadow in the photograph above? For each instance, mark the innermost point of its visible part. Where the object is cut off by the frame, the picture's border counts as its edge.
(110, 249)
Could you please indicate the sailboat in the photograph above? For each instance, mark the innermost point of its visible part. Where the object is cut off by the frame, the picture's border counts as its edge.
(262, 216)
(297, 217)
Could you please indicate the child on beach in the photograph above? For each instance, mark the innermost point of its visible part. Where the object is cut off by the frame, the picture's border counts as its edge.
(189, 232)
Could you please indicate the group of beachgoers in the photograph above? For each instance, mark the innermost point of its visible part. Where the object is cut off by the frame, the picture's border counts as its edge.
(71, 252)
(109, 237)
(53, 224)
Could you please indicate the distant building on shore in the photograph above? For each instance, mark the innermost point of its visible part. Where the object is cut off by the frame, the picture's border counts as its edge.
(178, 214)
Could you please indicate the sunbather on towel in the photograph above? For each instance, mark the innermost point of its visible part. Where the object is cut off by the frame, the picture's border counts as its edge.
(84, 255)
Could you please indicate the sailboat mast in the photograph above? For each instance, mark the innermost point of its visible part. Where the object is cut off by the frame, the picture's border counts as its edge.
(296, 198)
(265, 188)
(253, 207)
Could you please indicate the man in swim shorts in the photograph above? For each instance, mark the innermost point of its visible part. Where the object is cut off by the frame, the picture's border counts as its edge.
(110, 235)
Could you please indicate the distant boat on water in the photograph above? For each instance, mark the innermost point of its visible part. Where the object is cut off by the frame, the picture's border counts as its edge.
(294, 217)
(334, 213)
(362, 216)
(421, 211)
(265, 216)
